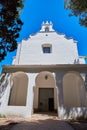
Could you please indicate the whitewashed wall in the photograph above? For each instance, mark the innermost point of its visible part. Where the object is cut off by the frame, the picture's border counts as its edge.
(64, 51)
(21, 111)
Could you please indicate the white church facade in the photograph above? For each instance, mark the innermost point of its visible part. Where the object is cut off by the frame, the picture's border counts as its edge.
(47, 75)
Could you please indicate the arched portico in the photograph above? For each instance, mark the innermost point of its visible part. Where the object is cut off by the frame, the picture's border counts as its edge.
(18, 93)
(45, 92)
(73, 90)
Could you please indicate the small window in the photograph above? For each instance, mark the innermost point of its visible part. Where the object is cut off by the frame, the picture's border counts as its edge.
(46, 50)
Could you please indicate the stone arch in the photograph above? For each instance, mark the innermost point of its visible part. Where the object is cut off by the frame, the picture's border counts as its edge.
(45, 84)
(18, 93)
(73, 90)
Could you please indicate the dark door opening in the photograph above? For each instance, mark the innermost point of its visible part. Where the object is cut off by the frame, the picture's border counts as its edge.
(51, 104)
(46, 100)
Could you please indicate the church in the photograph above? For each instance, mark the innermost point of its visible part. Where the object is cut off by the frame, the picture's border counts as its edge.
(47, 75)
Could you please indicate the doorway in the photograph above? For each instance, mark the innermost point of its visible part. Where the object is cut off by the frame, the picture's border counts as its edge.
(45, 93)
(46, 100)
(51, 104)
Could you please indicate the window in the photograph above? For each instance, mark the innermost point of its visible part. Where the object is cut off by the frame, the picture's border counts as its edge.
(47, 48)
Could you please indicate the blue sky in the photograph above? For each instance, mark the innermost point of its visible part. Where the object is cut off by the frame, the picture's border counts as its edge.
(37, 11)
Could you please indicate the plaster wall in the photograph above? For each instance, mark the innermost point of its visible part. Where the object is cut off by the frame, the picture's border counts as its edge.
(32, 102)
(64, 51)
(21, 111)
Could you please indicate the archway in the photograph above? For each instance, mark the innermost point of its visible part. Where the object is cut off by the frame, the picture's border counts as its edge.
(45, 92)
(18, 93)
(73, 90)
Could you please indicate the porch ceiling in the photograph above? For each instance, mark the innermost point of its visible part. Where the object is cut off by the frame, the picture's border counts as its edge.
(14, 68)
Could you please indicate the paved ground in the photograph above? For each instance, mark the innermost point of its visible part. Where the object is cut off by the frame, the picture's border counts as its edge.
(37, 122)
